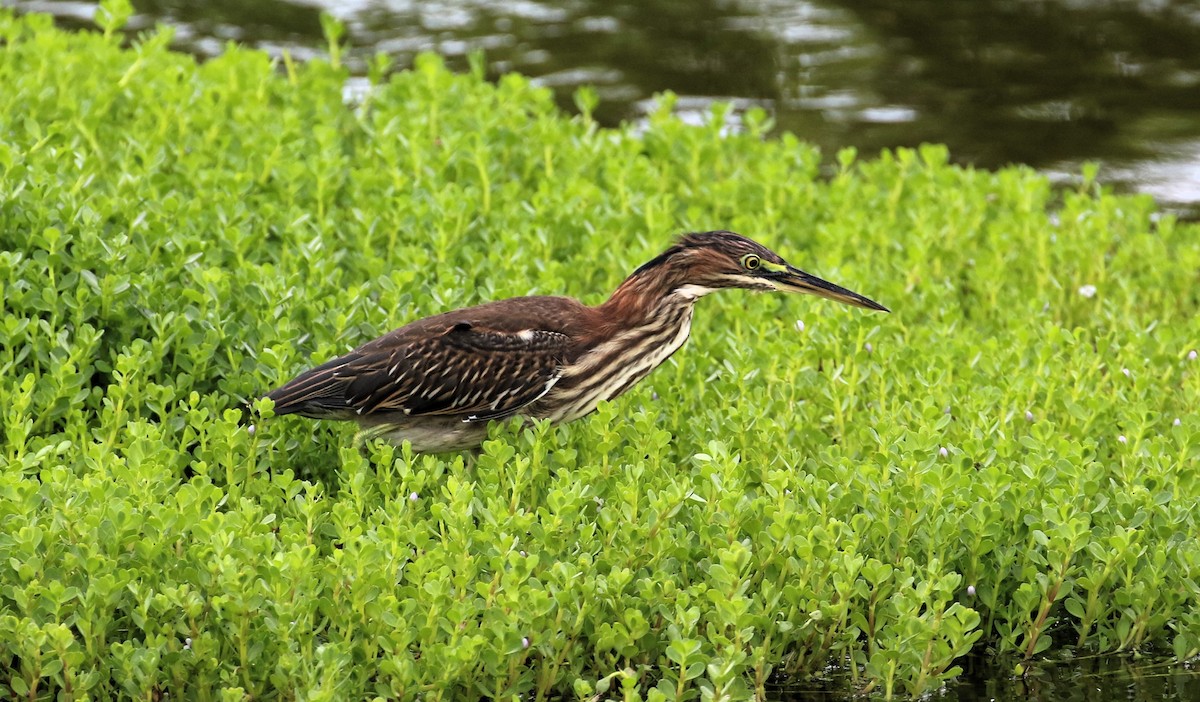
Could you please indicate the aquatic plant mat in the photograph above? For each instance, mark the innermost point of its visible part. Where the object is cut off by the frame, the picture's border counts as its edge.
(1005, 465)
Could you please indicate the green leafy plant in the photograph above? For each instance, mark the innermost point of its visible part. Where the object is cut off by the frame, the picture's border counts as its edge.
(1006, 463)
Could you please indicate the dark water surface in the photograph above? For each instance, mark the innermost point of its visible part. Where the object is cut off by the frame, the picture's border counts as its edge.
(1050, 84)
(1081, 679)
(1047, 83)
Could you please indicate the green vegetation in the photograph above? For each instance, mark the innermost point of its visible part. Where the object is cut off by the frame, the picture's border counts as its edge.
(1005, 464)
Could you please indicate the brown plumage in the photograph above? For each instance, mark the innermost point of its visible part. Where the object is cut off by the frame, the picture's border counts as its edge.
(436, 382)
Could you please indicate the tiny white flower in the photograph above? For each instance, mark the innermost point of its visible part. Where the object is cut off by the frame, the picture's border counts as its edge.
(869, 347)
(1127, 373)
(524, 642)
(187, 644)
(1121, 438)
(799, 325)
(1192, 355)
(971, 590)
(414, 497)
(523, 554)
(1176, 422)
(943, 452)
(1028, 416)
(250, 430)
(1088, 291)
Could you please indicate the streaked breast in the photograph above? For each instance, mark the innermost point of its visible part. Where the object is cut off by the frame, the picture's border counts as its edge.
(616, 365)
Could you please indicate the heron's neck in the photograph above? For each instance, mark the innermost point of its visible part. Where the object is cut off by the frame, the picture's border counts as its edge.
(642, 298)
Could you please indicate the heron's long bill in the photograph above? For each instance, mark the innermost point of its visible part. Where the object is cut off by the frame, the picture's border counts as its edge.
(796, 280)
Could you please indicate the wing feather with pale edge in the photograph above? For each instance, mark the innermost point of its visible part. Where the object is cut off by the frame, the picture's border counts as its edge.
(468, 370)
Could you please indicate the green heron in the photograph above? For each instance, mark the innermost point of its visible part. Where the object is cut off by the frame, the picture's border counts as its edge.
(436, 382)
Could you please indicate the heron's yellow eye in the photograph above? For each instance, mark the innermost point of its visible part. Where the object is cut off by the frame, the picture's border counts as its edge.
(751, 262)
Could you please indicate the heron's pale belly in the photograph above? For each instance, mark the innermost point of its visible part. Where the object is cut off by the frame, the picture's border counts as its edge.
(431, 434)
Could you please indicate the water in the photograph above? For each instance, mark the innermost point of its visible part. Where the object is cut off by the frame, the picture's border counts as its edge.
(1050, 84)
(1081, 679)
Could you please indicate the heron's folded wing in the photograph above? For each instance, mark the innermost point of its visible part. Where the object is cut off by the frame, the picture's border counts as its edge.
(467, 370)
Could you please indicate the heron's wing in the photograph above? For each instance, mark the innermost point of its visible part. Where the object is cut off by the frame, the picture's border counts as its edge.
(466, 369)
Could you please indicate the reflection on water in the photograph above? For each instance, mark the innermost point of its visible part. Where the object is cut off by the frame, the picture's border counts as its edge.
(1048, 83)
(1081, 679)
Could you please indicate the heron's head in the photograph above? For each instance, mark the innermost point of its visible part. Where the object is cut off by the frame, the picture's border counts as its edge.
(701, 263)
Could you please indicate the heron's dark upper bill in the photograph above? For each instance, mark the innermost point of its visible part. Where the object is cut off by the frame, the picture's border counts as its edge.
(796, 280)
